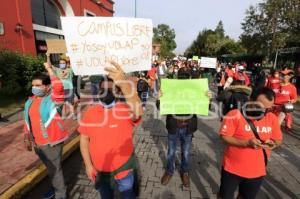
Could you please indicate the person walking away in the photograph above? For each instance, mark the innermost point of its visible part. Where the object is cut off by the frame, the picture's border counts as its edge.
(44, 128)
(249, 135)
(106, 136)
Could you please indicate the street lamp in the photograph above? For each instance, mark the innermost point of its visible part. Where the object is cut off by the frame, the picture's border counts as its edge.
(135, 8)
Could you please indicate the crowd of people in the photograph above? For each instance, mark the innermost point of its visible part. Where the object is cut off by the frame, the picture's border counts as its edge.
(251, 117)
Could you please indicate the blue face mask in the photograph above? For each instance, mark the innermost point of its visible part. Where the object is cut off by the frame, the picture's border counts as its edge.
(38, 92)
(62, 66)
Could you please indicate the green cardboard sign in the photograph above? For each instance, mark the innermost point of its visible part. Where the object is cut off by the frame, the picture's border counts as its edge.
(195, 58)
(184, 96)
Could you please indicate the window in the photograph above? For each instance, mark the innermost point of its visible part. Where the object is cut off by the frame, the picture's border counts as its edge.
(45, 13)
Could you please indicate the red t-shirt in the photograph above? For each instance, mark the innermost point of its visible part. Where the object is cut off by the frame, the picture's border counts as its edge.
(110, 132)
(274, 83)
(229, 72)
(152, 72)
(247, 162)
(35, 119)
(242, 77)
(287, 92)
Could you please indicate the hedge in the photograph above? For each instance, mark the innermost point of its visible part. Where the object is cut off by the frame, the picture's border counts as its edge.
(16, 71)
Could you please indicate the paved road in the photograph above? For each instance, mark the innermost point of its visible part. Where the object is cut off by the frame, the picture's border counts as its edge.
(282, 182)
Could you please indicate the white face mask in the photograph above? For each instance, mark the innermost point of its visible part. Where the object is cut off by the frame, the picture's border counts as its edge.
(218, 70)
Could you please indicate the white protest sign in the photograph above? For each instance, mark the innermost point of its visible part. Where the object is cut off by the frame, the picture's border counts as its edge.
(208, 62)
(93, 41)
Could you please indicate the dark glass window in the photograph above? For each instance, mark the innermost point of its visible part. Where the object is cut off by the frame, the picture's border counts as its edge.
(45, 13)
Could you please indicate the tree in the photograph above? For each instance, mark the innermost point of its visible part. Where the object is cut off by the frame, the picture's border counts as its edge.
(164, 35)
(271, 25)
(213, 43)
(220, 30)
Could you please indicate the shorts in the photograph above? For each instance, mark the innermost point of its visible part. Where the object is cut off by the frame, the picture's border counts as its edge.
(69, 95)
(248, 187)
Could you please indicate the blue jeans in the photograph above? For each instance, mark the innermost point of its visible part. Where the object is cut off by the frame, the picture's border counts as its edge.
(124, 186)
(185, 139)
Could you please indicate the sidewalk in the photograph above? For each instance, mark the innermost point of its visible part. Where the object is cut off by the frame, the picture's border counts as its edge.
(16, 161)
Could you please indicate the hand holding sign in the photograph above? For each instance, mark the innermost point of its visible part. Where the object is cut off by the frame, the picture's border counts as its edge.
(93, 41)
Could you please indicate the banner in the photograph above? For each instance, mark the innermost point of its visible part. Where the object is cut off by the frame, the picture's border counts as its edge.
(184, 97)
(56, 46)
(208, 62)
(93, 41)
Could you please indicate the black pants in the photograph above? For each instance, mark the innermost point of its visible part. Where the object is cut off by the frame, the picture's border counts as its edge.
(220, 89)
(248, 188)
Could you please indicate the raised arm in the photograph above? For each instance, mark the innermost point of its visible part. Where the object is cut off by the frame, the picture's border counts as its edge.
(128, 90)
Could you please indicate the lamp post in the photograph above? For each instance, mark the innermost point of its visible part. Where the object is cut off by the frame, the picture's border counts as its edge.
(135, 8)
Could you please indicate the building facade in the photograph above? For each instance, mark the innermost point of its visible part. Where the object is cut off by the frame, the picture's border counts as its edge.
(26, 24)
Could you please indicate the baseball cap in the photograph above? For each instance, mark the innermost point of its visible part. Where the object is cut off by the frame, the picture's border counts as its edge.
(287, 72)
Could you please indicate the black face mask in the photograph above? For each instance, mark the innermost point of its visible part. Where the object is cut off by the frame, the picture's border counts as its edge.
(255, 112)
(107, 96)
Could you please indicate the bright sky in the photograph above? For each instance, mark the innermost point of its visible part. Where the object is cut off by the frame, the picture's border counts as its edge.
(188, 17)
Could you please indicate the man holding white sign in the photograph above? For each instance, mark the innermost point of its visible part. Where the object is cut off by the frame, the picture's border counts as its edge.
(208, 62)
(93, 41)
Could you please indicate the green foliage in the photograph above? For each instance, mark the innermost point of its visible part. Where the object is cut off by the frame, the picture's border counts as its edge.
(213, 43)
(271, 25)
(16, 72)
(165, 36)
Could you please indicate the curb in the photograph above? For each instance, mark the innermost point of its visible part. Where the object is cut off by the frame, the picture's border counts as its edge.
(34, 177)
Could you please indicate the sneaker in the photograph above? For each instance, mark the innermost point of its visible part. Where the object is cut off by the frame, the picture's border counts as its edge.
(49, 195)
(166, 178)
(185, 179)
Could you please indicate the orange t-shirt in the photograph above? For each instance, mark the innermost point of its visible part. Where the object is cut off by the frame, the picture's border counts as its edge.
(286, 93)
(247, 162)
(110, 132)
(35, 119)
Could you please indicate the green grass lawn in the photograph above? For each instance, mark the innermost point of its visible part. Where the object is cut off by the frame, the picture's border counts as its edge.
(10, 103)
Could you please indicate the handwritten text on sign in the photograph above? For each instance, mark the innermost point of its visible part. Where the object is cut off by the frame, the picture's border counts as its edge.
(208, 62)
(93, 41)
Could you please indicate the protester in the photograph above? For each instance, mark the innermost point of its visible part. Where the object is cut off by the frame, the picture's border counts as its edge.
(287, 94)
(44, 129)
(180, 127)
(229, 70)
(95, 81)
(249, 135)
(153, 83)
(298, 80)
(143, 89)
(241, 75)
(234, 97)
(65, 74)
(106, 136)
(220, 80)
(274, 81)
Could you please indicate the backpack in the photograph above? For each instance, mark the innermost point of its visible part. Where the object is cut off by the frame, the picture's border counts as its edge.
(236, 101)
(142, 85)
